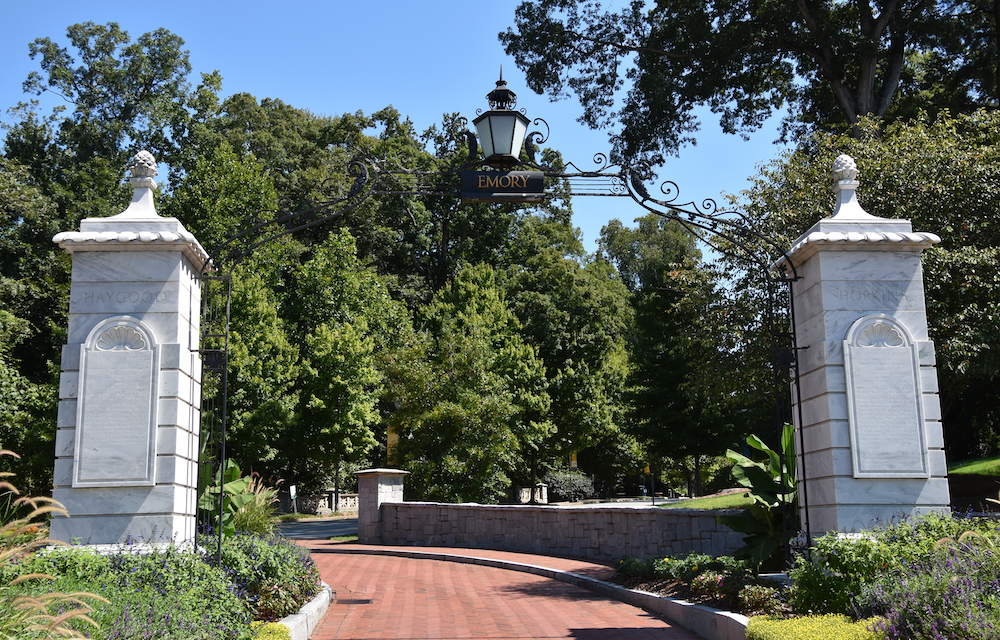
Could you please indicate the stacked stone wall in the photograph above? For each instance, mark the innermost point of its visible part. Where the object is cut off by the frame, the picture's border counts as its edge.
(591, 532)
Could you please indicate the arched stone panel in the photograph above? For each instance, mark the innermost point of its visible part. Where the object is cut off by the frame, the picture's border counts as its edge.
(117, 407)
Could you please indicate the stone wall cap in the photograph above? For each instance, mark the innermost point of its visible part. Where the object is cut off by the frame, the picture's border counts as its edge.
(382, 472)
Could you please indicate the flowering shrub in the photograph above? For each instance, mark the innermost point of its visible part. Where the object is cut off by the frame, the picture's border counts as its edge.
(756, 599)
(274, 575)
(163, 594)
(707, 584)
(45, 612)
(723, 577)
(954, 593)
(175, 594)
(271, 631)
(841, 565)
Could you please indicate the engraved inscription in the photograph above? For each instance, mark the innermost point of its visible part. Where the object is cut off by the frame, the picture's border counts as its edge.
(114, 432)
(871, 295)
(886, 420)
(121, 297)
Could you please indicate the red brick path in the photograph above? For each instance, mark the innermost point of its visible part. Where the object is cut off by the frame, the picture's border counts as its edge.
(381, 596)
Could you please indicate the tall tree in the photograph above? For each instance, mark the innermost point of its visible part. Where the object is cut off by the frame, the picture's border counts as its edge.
(686, 392)
(576, 316)
(347, 323)
(27, 414)
(34, 272)
(470, 395)
(831, 62)
(124, 95)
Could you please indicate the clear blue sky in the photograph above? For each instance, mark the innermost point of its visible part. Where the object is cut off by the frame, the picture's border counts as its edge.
(331, 57)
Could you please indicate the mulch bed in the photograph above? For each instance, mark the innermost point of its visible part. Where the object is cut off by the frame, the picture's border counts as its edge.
(681, 591)
(670, 589)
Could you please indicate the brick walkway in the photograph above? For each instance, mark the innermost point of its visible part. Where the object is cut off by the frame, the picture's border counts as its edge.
(383, 596)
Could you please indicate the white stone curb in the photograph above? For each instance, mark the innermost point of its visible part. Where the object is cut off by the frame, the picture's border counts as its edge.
(709, 623)
(301, 624)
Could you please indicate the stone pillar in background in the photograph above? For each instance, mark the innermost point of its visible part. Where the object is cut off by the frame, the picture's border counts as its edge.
(871, 417)
(376, 486)
(129, 392)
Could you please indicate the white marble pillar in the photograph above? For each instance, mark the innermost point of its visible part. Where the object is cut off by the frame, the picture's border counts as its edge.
(871, 417)
(129, 392)
(376, 486)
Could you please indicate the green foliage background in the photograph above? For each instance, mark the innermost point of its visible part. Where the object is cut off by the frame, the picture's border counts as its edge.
(482, 336)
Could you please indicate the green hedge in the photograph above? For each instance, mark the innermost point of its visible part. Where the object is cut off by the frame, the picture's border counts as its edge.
(271, 631)
(828, 627)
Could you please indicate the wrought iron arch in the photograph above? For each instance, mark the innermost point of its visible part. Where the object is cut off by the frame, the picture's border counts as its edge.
(390, 176)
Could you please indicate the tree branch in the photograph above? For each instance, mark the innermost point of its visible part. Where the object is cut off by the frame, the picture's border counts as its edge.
(622, 46)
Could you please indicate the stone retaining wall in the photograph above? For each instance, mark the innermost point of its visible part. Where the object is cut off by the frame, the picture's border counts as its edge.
(605, 533)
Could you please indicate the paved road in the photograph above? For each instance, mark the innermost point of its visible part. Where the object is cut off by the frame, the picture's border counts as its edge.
(319, 528)
(382, 597)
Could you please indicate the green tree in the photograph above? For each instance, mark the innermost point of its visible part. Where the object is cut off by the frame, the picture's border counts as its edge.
(576, 317)
(263, 371)
(347, 322)
(470, 394)
(943, 175)
(831, 62)
(688, 389)
(219, 195)
(34, 272)
(124, 95)
(27, 414)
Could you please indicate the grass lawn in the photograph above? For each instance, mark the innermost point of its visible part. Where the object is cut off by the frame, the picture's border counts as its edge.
(730, 501)
(295, 517)
(350, 538)
(982, 466)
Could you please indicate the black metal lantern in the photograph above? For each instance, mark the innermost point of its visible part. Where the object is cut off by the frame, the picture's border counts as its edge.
(501, 129)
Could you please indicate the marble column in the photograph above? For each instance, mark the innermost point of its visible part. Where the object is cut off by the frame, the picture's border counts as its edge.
(129, 392)
(871, 417)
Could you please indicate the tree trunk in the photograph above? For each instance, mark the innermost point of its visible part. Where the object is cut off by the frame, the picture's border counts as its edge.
(697, 475)
(336, 488)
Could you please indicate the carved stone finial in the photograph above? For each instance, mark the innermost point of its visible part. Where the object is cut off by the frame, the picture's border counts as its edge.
(844, 168)
(143, 168)
(844, 173)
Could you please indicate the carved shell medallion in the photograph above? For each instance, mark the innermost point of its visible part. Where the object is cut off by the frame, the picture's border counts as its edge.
(879, 334)
(121, 338)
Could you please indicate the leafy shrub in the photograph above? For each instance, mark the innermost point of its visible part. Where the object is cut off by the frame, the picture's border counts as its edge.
(841, 565)
(772, 489)
(170, 594)
(707, 583)
(756, 599)
(685, 568)
(271, 631)
(567, 485)
(635, 568)
(825, 627)
(275, 576)
(231, 488)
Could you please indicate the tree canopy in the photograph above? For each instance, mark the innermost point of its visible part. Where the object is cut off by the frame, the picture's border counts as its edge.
(482, 335)
(829, 62)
